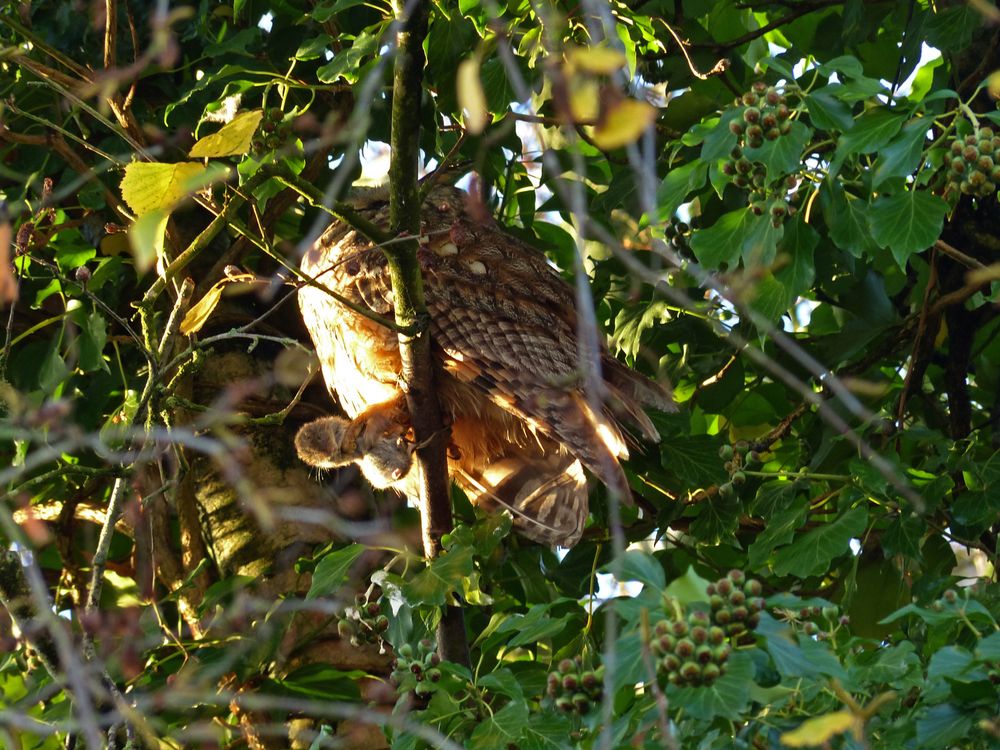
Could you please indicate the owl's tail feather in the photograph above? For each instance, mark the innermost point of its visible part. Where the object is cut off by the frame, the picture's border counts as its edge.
(547, 495)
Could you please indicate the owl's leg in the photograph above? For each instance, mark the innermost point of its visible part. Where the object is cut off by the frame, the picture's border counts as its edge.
(377, 421)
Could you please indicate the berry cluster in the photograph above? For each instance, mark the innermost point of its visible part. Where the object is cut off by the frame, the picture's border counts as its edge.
(573, 687)
(272, 132)
(736, 603)
(735, 458)
(690, 650)
(416, 670)
(815, 621)
(764, 114)
(364, 623)
(949, 597)
(678, 234)
(974, 163)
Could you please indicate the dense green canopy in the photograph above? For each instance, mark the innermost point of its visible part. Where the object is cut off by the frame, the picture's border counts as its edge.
(785, 208)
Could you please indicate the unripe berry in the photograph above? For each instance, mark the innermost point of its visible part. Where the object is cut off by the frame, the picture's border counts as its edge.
(581, 703)
(667, 643)
(740, 613)
(751, 115)
(725, 452)
(950, 596)
(759, 87)
(755, 133)
(703, 654)
(570, 683)
(773, 97)
(690, 671)
(772, 134)
(716, 635)
(971, 153)
(679, 628)
(723, 616)
(737, 598)
(735, 127)
(749, 99)
(728, 169)
(589, 680)
(738, 478)
(756, 604)
(710, 673)
(699, 634)
(971, 140)
(738, 577)
(810, 628)
(783, 112)
(956, 147)
(716, 601)
(743, 165)
(434, 675)
(671, 662)
(684, 648)
(566, 666)
(721, 653)
(82, 275)
(564, 704)
(724, 586)
(752, 587)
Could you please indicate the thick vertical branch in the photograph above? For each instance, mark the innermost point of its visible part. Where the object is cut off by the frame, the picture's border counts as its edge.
(411, 312)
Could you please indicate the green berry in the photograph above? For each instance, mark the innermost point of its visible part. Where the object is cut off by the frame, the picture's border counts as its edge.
(684, 648)
(690, 671)
(710, 673)
(581, 703)
(752, 587)
(738, 577)
(950, 596)
(703, 654)
(726, 452)
(671, 662)
(699, 634)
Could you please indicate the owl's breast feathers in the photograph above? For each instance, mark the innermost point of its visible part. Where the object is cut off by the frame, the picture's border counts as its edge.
(504, 329)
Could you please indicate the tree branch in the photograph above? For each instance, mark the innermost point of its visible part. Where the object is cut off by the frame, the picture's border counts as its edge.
(407, 288)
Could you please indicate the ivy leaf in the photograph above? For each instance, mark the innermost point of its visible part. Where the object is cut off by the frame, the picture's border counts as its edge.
(907, 222)
(695, 459)
(783, 155)
(502, 729)
(546, 731)
(444, 575)
(943, 725)
(848, 220)
(727, 696)
(722, 242)
(636, 565)
(148, 186)
(811, 553)
(623, 123)
(678, 185)
(902, 156)
(827, 112)
(331, 571)
(799, 242)
(780, 530)
(870, 132)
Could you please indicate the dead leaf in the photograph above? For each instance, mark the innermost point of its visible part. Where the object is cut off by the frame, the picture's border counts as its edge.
(820, 729)
(148, 186)
(232, 139)
(471, 97)
(623, 123)
(8, 281)
(199, 313)
(595, 60)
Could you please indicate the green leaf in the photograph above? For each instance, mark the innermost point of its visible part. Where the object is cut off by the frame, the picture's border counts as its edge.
(870, 132)
(678, 185)
(722, 242)
(504, 682)
(331, 571)
(943, 725)
(780, 530)
(636, 565)
(546, 731)
(347, 62)
(501, 730)
(811, 553)
(901, 157)
(629, 668)
(848, 220)
(694, 459)
(988, 648)
(689, 587)
(726, 697)
(798, 244)
(443, 576)
(827, 112)
(907, 223)
(782, 156)
(93, 337)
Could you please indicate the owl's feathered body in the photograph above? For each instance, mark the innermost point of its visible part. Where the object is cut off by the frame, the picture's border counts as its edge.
(504, 332)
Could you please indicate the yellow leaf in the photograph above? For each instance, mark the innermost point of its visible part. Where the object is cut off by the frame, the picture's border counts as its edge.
(993, 84)
(148, 186)
(198, 314)
(595, 60)
(585, 100)
(146, 237)
(232, 139)
(983, 275)
(819, 730)
(623, 123)
(471, 97)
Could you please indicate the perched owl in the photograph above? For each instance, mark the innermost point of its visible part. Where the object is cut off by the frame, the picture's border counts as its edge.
(504, 333)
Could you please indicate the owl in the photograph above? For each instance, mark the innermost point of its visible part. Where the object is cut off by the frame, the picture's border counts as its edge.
(507, 370)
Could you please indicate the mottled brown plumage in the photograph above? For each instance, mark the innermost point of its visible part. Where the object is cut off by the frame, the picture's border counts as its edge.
(504, 330)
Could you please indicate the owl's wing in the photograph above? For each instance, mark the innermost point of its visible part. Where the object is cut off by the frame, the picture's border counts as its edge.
(507, 325)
